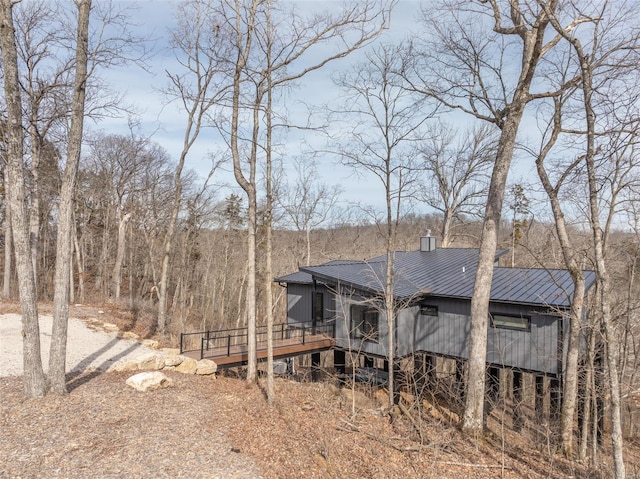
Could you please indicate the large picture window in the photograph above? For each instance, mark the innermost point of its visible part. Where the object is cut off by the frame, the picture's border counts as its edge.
(506, 321)
(364, 322)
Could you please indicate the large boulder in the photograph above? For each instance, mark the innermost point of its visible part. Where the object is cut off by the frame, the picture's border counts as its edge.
(188, 366)
(172, 360)
(148, 381)
(150, 362)
(205, 367)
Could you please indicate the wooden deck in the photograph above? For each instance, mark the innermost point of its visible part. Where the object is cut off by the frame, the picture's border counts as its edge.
(237, 355)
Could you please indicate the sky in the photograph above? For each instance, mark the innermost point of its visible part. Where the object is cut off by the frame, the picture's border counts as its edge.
(142, 89)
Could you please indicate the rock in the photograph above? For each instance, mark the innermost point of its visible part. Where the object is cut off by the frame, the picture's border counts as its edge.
(130, 335)
(151, 343)
(110, 327)
(150, 361)
(187, 366)
(148, 381)
(175, 351)
(126, 366)
(280, 368)
(172, 360)
(205, 367)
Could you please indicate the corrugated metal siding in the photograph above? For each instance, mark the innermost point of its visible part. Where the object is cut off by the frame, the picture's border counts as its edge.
(298, 303)
(448, 334)
(343, 321)
(534, 350)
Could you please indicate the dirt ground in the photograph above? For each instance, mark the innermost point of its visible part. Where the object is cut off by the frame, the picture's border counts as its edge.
(222, 428)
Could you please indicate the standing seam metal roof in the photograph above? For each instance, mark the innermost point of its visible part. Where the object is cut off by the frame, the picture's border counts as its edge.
(450, 272)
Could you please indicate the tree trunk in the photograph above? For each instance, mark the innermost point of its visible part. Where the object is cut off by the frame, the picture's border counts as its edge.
(117, 267)
(509, 121)
(268, 273)
(244, 46)
(447, 222)
(588, 394)
(390, 314)
(8, 242)
(79, 262)
(35, 384)
(570, 373)
(168, 245)
(473, 418)
(58, 352)
(611, 347)
(34, 205)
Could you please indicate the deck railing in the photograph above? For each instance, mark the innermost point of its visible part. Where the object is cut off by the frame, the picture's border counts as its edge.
(224, 340)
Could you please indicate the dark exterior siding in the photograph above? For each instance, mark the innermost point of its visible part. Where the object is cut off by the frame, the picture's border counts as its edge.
(299, 303)
(534, 350)
(446, 335)
(343, 323)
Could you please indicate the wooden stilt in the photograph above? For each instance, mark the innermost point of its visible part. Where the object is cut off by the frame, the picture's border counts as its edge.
(315, 367)
(493, 390)
(339, 361)
(460, 379)
(518, 415)
(539, 400)
(555, 400)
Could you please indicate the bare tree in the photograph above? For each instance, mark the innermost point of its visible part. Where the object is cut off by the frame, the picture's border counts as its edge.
(58, 352)
(604, 53)
(464, 70)
(199, 45)
(457, 166)
(292, 58)
(308, 203)
(386, 126)
(572, 261)
(44, 80)
(115, 167)
(34, 378)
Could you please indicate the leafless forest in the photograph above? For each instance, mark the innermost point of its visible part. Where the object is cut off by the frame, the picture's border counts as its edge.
(549, 88)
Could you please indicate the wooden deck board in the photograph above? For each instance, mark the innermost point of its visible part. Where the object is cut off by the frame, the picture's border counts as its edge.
(283, 348)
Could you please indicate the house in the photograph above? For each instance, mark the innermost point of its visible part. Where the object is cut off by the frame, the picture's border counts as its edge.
(432, 292)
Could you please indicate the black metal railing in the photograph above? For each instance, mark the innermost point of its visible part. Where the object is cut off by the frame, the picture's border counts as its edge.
(223, 340)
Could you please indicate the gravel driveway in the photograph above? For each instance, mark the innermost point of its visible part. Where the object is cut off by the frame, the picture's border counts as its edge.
(88, 349)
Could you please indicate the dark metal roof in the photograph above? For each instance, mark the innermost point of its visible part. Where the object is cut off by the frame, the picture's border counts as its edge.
(450, 272)
(298, 277)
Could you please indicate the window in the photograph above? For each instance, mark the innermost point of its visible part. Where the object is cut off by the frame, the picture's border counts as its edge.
(318, 307)
(505, 321)
(364, 322)
(427, 310)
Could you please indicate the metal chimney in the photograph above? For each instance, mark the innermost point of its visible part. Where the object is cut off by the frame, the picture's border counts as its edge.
(427, 243)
